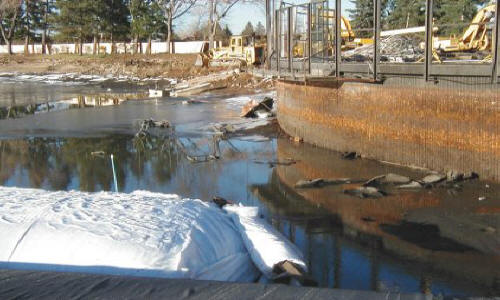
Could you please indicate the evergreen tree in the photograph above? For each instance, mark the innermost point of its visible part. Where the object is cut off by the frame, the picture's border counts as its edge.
(453, 12)
(406, 13)
(48, 9)
(147, 20)
(31, 21)
(260, 30)
(248, 29)
(77, 20)
(114, 16)
(227, 31)
(362, 16)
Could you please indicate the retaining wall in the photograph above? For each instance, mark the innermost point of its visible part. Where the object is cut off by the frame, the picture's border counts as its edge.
(450, 124)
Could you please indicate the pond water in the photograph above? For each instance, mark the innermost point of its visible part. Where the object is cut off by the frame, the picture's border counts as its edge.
(441, 240)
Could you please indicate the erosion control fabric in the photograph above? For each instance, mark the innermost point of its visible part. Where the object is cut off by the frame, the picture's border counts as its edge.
(140, 234)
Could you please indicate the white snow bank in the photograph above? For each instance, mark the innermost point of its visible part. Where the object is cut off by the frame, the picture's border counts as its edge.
(266, 246)
(142, 233)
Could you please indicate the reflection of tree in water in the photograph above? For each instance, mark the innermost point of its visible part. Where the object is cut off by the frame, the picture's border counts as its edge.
(94, 171)
(11, 153)
(37, 162)
(54, 162)
(160, 152)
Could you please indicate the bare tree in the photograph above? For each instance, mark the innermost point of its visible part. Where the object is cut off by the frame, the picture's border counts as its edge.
(9, 13)
(174, 9)
(218, 10)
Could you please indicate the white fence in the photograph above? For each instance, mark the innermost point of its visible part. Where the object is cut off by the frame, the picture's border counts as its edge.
(88, 48)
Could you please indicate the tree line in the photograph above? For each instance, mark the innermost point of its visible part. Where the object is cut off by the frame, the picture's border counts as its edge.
(398, 14)
(82, 21)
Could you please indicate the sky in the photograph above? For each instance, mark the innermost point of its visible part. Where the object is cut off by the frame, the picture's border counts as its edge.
(242, 13)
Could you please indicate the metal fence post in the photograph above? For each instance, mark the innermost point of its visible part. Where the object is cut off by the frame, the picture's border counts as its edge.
(496, 46)
(269, 40)
(290, 37)
(278, 39)
(376, 34)
(428, 38)
(338, 37)
(309, 34)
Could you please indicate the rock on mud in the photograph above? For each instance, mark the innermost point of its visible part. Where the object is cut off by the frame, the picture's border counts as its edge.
(411, 185)
(320, 182)
(365, 192)
(433, 178)
(388, 179)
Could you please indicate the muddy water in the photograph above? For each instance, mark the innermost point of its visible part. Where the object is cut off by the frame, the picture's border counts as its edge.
(441, 240)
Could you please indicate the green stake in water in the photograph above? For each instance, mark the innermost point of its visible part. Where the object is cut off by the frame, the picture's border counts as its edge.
(114, 173)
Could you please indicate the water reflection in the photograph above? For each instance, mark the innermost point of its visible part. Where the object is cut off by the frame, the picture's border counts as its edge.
(349, 243)
(411, 240)
(19, 111)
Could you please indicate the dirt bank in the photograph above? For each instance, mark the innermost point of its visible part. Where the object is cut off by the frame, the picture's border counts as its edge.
(142, 66)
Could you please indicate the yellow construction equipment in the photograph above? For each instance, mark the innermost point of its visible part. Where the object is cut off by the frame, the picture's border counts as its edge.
(348, 37)
(475, 37)
(242, 48)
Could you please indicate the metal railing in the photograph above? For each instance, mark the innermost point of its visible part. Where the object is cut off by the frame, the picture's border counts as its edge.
(309, 40)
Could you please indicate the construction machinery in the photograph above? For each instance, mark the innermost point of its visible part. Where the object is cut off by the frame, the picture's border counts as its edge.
(318, 21)
(475, 38)
(242, 49)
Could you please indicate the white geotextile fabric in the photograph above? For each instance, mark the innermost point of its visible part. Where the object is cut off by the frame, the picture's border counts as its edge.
(266, 246)
(142, 233)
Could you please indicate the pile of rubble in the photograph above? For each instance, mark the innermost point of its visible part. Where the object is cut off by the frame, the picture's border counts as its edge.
(395, 48)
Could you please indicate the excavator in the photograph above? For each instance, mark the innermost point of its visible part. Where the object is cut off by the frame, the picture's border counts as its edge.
(474, 39)
(349, 40)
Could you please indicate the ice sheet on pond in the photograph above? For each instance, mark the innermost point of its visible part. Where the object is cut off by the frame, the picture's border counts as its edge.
(139, 234)
(73, 78)
(142, 234)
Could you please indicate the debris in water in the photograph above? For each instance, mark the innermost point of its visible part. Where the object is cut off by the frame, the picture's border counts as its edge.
(298, 139)
(350, 155)
(254, 109)
(98, 153)
(288, 272)
(471, 175)
(433, 178)
(489, 229)
(320, 182)
(273, 163)
(187, 102)
(454, 176)
(387, 179)
(223, 129)
(365, 192)
(221, 202)
(411, 185)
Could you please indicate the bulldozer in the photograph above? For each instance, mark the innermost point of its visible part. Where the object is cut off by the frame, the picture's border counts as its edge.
(474, 39)
(242, 49)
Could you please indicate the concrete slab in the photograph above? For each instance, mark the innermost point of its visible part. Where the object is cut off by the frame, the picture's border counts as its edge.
(15, 284)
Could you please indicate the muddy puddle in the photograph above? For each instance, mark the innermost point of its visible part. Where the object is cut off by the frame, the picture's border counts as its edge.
(441, 240)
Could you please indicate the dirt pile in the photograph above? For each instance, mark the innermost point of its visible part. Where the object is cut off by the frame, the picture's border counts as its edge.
(142, 66)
